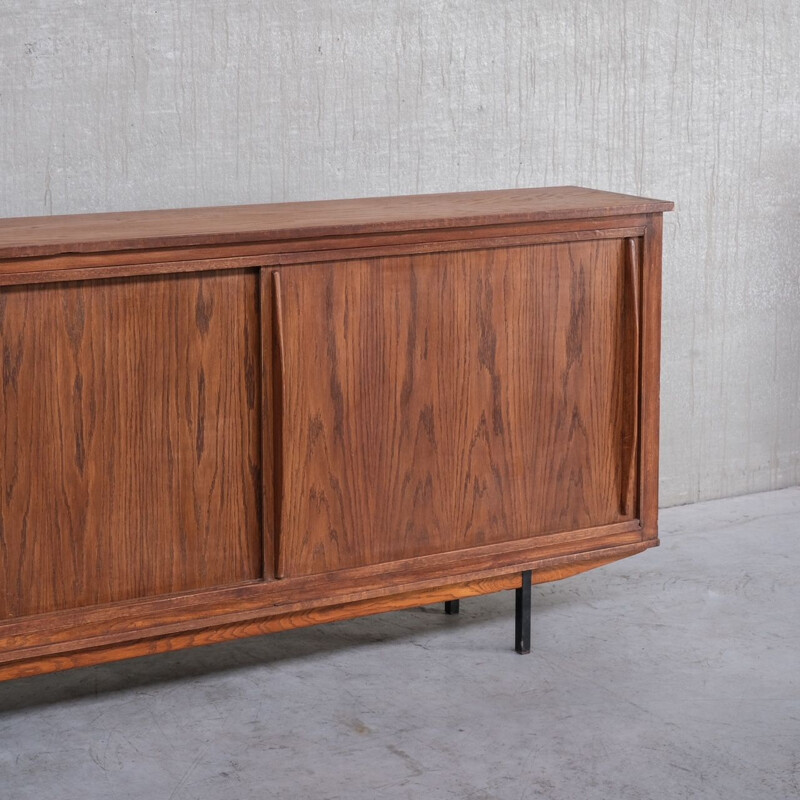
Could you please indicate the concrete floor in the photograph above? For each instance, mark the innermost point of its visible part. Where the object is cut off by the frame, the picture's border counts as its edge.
(673, 674)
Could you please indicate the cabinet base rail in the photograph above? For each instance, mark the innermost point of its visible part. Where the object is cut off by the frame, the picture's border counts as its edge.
(83, 647)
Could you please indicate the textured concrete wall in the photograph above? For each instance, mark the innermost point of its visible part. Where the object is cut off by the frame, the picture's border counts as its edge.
(127, 105)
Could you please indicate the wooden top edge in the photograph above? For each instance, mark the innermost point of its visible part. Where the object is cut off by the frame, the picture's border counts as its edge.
(22, 237)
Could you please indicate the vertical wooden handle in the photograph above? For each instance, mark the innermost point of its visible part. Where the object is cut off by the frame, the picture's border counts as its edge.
(278, 392)
(632, 387)
(633, 274)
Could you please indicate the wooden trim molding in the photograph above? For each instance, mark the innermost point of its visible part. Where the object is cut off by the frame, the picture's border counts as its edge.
(550, 570)
(87, 233)
(194, 259)
(116, 621)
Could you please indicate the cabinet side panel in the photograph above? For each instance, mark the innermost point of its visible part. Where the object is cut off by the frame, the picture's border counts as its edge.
(131, 447)
(437, 402)
(651, 375)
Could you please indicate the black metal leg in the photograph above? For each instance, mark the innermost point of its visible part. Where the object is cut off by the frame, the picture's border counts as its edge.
(451, 607)
(523, 615)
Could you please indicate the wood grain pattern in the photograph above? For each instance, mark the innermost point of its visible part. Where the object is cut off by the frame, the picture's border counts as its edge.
(130, 419)
(222, 632)
(86, 233)
(438, 403)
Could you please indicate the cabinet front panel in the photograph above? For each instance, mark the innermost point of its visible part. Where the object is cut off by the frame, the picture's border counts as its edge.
(129, 416)
(442, 401)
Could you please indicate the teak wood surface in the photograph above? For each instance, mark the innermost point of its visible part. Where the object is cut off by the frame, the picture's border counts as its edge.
(425, 397)
(131, 449)
(221, 422)
(86, 233)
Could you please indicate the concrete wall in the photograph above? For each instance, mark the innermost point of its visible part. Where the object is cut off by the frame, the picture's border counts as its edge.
(128, 105)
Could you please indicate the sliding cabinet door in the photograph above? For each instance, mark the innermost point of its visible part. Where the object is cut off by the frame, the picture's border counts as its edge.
(130, 419)
(443, 401)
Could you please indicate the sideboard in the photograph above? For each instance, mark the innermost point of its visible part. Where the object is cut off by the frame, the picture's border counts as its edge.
(221, 422)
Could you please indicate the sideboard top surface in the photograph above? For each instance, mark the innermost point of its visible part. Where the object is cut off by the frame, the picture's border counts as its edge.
(23, 237)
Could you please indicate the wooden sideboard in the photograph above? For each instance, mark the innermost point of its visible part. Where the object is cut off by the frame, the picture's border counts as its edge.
(221, 422)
